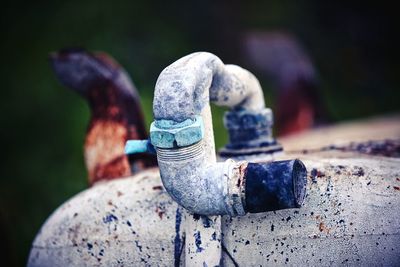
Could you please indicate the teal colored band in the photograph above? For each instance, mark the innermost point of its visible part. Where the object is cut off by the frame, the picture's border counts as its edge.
(138, 146)
(169, 134)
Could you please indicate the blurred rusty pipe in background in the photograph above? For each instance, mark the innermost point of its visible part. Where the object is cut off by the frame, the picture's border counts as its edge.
(116, 114)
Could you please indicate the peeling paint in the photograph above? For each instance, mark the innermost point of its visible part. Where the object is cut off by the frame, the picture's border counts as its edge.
(179, 240)
(197, 237)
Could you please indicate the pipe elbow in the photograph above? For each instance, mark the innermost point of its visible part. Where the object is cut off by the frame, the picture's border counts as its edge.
(202, 189)
(229, 187)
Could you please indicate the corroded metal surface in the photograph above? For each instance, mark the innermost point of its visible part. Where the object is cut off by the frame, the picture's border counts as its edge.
(116, 114)
(350, 216)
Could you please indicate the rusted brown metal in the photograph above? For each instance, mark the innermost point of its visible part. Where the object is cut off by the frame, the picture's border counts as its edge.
(281, 57)
(116, 114)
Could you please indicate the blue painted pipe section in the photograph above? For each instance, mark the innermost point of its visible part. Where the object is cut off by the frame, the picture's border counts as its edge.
(250, 133)
(139, 146)
(275, 185)
(248, 128)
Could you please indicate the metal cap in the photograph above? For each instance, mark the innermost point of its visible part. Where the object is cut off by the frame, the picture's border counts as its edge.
(275, 185)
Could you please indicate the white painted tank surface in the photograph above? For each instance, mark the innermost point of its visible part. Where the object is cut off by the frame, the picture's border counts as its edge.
(350, 215)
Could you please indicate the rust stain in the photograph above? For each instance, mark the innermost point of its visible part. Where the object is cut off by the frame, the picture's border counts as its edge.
(321, 225)
(316, 174)
(119, 167)
(116, 114)
(242, 173)
(104, 151)
(160, 212)
(158, 187)
(323, 228)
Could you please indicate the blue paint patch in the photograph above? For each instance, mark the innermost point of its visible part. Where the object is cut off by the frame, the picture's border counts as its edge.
(250, 133)
(109, 218)
(197, 241)
(214, 236)
(246, 119)
(206, 221)
(139, 146)
(275, 185)
(178, 242)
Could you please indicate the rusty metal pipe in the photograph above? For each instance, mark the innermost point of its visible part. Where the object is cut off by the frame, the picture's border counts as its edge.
(116, 114)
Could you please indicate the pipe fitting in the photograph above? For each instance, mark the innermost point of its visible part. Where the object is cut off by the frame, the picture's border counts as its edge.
(211, 189)
(248, 128)
(250, 133)
(169, 134)
(275, 185)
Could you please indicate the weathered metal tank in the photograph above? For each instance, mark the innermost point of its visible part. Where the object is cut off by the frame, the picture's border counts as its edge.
(350, 213)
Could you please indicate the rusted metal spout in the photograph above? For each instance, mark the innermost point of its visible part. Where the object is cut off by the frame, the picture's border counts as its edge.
(275, 185)
(116, 114)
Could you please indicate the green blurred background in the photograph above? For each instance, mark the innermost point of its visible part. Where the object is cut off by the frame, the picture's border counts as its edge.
(354, 48)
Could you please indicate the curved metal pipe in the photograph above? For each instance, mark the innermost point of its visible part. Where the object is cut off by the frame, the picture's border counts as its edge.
(116, 113)
(183, 136)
